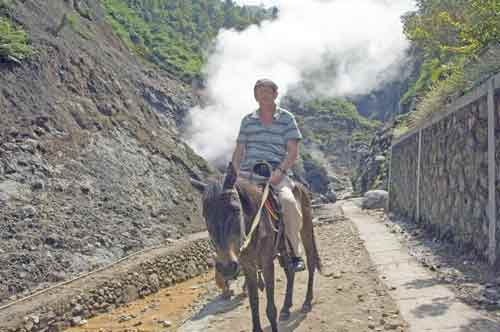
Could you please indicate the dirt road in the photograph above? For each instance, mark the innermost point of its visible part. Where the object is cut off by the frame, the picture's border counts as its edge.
(349, 298)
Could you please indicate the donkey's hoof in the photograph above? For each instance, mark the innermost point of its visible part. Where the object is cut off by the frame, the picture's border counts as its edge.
(284, 316)
(306, 307)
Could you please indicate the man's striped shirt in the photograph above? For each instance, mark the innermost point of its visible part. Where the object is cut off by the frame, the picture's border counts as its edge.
(267, 142)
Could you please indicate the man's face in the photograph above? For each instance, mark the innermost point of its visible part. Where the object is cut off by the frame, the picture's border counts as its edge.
(265, 95)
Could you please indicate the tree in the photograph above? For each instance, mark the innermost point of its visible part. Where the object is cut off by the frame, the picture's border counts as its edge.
(175, 33)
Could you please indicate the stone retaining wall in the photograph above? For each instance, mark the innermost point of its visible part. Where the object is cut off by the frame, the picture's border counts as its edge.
(453, 187)
(404, 177)
(454, 177)
(99, 293)
(497, 158)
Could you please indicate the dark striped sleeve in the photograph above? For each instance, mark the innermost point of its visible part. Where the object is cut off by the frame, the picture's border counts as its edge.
(292, 131)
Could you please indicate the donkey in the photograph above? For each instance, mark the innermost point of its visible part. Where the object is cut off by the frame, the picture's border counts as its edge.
(229, 209)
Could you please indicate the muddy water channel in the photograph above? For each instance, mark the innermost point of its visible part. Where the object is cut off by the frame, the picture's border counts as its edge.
(159, 312)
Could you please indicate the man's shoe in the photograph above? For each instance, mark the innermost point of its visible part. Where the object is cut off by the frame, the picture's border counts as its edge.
(298, 264)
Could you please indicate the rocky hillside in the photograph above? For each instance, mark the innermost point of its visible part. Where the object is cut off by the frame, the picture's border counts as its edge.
(396, 96)
(91, 164)
(336, 138)
(372, 170)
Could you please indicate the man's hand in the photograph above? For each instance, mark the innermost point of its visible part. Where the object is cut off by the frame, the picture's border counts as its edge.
(276, 177)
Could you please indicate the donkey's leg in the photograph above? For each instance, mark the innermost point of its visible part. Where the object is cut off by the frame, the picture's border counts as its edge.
(307, 235)
(223, 285)
(253, 296)
(290, 278)
(268, 272)
(307, 306)
(244, 287)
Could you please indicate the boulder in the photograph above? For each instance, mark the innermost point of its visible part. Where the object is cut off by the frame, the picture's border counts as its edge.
(375, 199)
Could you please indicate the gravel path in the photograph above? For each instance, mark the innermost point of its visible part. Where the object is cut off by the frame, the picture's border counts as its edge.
(350, 297)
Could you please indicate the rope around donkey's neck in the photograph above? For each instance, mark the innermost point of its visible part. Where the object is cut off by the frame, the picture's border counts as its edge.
(256, 219)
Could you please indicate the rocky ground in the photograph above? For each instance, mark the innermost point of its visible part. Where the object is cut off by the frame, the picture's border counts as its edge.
(350, 297)
(92, 165)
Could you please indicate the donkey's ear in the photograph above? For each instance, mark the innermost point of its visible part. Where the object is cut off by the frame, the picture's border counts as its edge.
(230, 178)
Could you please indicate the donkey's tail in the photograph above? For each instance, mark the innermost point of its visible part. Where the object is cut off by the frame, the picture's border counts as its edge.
(317, 260)
(308, 238)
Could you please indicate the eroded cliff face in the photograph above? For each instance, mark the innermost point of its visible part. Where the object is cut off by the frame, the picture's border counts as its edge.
(372, 170)
(91, 162)
(333, 145)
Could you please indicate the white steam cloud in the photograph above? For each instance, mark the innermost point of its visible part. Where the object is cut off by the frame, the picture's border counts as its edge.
(363, 39)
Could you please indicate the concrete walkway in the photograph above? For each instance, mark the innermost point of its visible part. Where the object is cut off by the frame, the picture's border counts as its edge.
(425, 303)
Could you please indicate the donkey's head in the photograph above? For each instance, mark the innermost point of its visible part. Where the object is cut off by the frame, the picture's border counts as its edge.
(224, 218)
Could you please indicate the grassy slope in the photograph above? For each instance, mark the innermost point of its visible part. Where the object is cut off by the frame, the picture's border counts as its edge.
(174, 34)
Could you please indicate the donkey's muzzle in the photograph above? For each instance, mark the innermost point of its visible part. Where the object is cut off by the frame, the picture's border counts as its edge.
(229, 271)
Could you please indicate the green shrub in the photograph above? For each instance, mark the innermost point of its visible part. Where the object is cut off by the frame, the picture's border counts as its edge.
(452, 36)
(175, 34)
(14, 43)
(401, 124)
(437, 98)
(341, 109)
(432, 102)
(423, 82)
(4, 5)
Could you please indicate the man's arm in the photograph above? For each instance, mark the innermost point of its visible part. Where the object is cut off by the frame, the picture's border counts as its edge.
(292, 152)
(238, 155)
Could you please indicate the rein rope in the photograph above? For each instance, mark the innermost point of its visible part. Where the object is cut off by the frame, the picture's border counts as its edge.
(256, 219)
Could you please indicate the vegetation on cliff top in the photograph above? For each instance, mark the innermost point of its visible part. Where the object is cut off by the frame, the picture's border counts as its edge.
(341, 109)
(335, 120)
(176, 34)
(452, 35)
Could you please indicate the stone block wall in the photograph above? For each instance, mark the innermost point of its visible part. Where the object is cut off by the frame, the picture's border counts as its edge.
(135, 278)
(403, 188)
(497, 159)
(453, 195)
(454, 176)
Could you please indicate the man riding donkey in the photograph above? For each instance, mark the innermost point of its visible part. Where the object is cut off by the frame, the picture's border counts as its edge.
(267, 145)
(271, 134)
